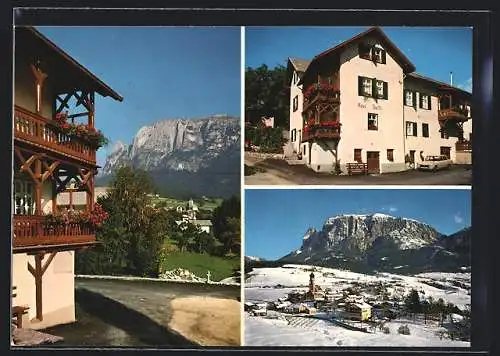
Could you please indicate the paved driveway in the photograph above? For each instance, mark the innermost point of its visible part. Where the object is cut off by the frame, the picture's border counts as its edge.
(279, 172)
(130, 313)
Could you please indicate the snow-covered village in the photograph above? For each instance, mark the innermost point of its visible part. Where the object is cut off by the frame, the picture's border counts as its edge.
(357, 268)
(303, 305)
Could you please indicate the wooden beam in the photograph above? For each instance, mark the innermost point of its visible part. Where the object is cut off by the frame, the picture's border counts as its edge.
(26, 164)
(64, 102)
(49, 260)
(39, 286)
(49, 169)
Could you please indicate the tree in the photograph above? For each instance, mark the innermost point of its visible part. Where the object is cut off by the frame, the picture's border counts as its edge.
(226, 225)
(132, 236)
(412, 302)
(266, 94)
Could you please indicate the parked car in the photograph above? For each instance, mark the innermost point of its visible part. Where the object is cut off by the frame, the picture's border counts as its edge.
(434, 163)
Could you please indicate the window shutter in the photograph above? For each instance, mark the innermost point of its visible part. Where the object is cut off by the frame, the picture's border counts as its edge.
(364, 51)
(429, 102)
(386, 93)
(415, 129)
(420, 103)
(360, 86)
(374, 88)
(414, 96)
(383, 57)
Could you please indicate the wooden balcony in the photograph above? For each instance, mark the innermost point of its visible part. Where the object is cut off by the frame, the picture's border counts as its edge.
(32, 230)
(463, 146)
(325, 95)
(321, 132)
(460, 115)
(39, 131)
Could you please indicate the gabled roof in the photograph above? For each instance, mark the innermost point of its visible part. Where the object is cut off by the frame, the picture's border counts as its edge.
(97, 84)
(300, 65)
(399, 57)
(438, 84)
(296, 64)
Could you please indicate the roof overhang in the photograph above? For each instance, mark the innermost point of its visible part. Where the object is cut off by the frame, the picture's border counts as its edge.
(70, 74)
(398, 56)
(440, 86)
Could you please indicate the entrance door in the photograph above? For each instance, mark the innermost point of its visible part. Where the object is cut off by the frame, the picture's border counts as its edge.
(373, 162)
(446, 151)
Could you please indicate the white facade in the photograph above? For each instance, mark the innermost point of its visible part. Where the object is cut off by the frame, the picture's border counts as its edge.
(390, 139)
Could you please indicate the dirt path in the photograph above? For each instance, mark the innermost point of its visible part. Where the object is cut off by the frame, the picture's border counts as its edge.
(207, 321)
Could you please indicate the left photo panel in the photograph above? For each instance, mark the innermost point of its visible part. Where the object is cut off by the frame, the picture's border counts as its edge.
(126, 187)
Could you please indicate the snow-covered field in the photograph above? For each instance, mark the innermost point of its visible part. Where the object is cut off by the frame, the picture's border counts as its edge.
(269, 332)
(269, 284)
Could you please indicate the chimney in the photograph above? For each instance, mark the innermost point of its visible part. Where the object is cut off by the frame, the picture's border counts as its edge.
(451, 78)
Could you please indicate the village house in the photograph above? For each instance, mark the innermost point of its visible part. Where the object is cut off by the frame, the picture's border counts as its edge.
(361, 106)
(358, 311)
(55, 143)
(189, 213)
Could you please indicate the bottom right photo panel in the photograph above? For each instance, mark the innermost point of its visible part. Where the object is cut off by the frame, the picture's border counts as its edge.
(357, 267)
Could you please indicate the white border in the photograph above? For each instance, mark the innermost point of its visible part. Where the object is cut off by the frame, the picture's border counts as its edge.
(242, 189)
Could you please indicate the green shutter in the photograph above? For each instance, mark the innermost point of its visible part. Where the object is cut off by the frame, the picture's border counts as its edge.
(360, 86)
(420, 101)
(415, 129)
(386, 87)
(414, 95)
(429, 102)
(374, 88)
(383, 58)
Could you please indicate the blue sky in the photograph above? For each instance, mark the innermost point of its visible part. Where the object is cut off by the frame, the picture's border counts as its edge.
(276, 219)
(434, 51)
(162, 72)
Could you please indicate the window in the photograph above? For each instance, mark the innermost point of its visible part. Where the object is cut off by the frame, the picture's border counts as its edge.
(411, 128)
(425, 130)
(24, 203)
(366, 86)
(425, 101)
(390, 155)
(410, 98)
(373, 53)
(357, 155)
(444, 134)
(295, 103)
(372, 121)
(293, 135)
(372, 87)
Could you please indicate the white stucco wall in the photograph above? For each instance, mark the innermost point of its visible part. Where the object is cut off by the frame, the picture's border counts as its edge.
(58, 288)
(431, 145)
(354, 110)
(25, 89)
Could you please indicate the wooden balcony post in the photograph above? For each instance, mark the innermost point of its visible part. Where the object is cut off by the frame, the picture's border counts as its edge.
(38, 272)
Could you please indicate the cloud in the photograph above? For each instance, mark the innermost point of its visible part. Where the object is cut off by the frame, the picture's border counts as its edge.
(467, 85)
(390, 208)
(458, 218)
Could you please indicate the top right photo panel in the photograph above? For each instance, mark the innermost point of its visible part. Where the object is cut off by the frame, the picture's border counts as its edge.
(358, 106)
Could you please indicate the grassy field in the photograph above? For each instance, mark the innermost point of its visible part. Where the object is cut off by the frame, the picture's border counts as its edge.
(199, 264)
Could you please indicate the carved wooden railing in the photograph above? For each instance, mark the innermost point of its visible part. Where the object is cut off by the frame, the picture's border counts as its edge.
(39, 130)
(463, 146)
(453, 113)
(321, 132)
(325, 94)
(34, 230)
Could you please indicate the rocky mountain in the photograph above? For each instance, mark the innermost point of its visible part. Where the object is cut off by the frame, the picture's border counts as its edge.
(185, 157)
(381, 242)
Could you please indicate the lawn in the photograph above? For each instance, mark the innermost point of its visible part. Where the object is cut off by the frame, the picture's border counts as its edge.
(199, 264)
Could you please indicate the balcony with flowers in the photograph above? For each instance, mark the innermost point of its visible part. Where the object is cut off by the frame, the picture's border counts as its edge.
(317, 129)
(64, 227)
(59, 134)
(321, 93)
(458, 113)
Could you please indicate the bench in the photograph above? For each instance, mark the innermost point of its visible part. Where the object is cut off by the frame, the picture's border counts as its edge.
(357, 168)
(17, 314)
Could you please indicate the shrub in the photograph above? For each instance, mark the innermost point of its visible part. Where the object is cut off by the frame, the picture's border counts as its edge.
(404, 329)
(269, 139)
(386, 330)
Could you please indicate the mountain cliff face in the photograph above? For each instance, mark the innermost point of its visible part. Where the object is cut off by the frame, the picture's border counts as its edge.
(184, 156)
(378, 242)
